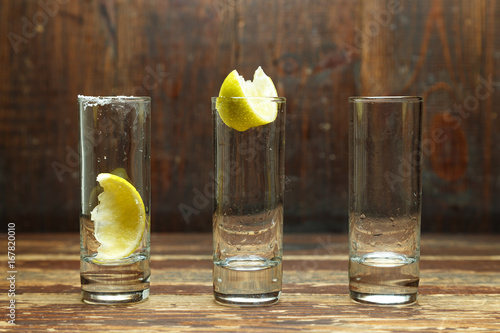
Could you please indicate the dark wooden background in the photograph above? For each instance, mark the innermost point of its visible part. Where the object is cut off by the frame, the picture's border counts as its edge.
(317, 52)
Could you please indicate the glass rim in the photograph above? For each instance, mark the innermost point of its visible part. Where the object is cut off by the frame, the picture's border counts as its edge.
(385, 99)
(108, 99)
(271, 98)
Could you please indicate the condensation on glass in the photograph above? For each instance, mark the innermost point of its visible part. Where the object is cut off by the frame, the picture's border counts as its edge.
(385, 162)
(114, 138)
(248, 210)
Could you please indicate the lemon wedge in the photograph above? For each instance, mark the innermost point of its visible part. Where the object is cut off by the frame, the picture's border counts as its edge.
(244, 113)
(98, 189)
(119, 218)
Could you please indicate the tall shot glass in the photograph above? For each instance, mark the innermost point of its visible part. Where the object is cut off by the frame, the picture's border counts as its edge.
(384, 198)
(114, 138)
(248, 210)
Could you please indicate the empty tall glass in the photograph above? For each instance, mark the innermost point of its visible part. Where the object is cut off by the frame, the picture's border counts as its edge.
(384, 198)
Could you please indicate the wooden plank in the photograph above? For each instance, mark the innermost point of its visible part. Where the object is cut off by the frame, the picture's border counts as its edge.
(459, 290)
(294, 313)
(317, 52)
(426, 50)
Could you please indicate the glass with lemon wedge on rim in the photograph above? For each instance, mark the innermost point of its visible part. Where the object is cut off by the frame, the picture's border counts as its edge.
(249, 148)
(115, 199)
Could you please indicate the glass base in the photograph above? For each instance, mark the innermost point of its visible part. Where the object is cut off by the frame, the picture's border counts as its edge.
(247, 300)
(382, 299)
(121, 298)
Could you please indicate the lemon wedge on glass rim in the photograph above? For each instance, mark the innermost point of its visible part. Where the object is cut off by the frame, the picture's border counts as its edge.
(242, 114)
(119, 218)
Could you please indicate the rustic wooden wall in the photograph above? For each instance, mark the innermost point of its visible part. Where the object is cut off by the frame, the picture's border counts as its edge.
(317, 52)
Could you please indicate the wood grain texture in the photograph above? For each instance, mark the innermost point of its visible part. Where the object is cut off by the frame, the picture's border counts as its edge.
(317, 52)
(460, 289)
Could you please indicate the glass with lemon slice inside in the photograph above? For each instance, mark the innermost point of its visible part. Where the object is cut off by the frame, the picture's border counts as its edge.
(115, 198)
(249, 148)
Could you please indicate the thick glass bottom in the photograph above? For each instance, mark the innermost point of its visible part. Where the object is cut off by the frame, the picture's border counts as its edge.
(110, 298)
(247, 281)
(384, 299)
(116, 283)
(247, 300)
(384, 278)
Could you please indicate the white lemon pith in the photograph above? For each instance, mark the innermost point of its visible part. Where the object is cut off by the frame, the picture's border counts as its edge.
(242, 114)
(119, 218)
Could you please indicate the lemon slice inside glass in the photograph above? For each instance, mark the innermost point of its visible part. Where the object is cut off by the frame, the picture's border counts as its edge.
(244, 113)
(119, 218)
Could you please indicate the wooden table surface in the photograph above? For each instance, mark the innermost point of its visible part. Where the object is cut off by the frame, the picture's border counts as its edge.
(460, 289)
